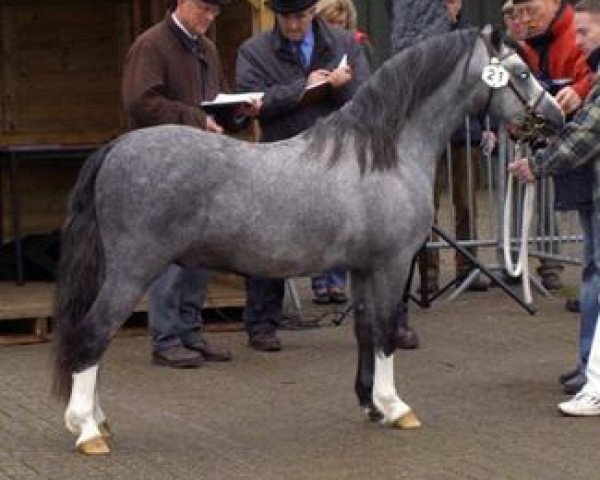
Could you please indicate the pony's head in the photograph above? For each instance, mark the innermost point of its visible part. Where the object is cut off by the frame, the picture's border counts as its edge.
(514, 94)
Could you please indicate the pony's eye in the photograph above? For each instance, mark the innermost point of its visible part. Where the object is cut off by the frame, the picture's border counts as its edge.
(524, 75)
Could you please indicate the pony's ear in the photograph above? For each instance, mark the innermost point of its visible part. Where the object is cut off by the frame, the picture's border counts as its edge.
(494, 35)
(496, 38)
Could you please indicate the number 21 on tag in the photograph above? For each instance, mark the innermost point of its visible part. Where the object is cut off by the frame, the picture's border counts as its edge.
(495, 75)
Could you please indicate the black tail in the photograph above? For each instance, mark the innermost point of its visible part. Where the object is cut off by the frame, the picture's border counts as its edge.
(80, 275)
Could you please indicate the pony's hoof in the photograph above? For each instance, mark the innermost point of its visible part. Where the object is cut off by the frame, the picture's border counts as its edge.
(94, 446)
(407, 421)
(105, 430)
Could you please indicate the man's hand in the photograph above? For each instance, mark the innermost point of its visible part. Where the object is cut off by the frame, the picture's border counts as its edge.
(213, 126)
(568, 100)
(317, 76)
(488, 142)
(520, 169)
(340, 76)
(251, 109)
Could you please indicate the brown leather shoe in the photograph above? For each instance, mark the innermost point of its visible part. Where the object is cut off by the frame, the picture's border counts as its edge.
(264, 341)
(406, 338)
(208, 351)
(177, 357)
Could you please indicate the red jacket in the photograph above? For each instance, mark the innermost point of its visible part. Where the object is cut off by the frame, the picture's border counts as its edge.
(565, 59)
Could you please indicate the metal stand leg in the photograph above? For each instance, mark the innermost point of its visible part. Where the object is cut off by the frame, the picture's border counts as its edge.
(293, 293)
(479, 267)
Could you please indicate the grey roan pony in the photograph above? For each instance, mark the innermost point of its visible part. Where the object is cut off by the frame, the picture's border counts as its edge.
(354, 190)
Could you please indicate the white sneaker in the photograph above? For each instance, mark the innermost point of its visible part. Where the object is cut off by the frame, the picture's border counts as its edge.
(583, 404)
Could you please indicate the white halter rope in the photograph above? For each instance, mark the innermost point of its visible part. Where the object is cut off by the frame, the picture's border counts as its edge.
(522, 266)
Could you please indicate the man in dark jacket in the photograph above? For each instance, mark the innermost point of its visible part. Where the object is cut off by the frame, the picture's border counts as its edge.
(464, 171)
(299, 52)
(168, 71)
(417, 20)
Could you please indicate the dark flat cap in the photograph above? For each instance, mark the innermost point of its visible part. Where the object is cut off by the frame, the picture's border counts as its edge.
(290, 6)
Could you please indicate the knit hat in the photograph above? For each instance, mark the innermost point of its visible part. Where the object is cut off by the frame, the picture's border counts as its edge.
(508, 7)
(290, 6)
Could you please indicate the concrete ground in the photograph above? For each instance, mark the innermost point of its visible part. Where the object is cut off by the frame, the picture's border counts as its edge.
(484, 384)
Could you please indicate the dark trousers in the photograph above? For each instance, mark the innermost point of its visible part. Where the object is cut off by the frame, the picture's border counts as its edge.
(465, 219)
(264, 303)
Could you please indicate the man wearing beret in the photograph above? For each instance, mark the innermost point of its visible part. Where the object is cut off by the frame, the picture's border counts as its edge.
(168, 71)
(300, 51)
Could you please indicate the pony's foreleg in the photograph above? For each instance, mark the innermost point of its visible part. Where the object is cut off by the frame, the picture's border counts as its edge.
(100, 417)
(363, 385)
(82, 411)
(385, 398)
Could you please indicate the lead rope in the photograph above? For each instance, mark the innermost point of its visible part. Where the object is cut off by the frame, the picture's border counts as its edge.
(522, 266)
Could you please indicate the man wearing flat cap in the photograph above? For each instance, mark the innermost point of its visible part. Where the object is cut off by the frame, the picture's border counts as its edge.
(300, 51)
(168, 71)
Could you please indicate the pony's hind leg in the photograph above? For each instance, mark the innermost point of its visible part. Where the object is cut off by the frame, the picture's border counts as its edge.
(84, 416)
(79, 416)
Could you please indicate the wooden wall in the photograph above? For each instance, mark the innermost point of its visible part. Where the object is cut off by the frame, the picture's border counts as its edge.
(61, 69)
(60, 83)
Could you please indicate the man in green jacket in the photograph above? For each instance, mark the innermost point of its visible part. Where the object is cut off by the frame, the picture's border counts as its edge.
(579, 144)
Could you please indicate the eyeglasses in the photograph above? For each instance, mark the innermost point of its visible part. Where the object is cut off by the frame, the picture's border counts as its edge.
(207, 8)
(526, 11)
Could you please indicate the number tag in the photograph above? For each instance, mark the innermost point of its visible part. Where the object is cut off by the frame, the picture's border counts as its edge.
(495, 75)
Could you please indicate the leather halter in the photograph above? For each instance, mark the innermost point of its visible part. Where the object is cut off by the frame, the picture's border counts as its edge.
(530, 109)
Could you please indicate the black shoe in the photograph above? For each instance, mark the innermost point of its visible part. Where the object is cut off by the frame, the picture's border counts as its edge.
(568, 375)
(178, 357)
(429, 287)
(572, 305)
(209, 352)
(321, 298)
(337, 296)
(551, 281)
(264, 341)
(406, 338)
(574, 384)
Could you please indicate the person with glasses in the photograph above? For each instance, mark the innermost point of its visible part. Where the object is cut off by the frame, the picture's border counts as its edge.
(299, 52)
(559, 64)
(555, 56)
(579, 144)
(168, 71)
(513, 24)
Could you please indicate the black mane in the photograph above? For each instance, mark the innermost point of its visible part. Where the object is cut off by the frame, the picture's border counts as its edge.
(384, 104)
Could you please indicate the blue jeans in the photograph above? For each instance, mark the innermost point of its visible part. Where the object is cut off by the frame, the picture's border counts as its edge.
(175, 301)
(332, 278)
(590, 281)
(264, 303)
